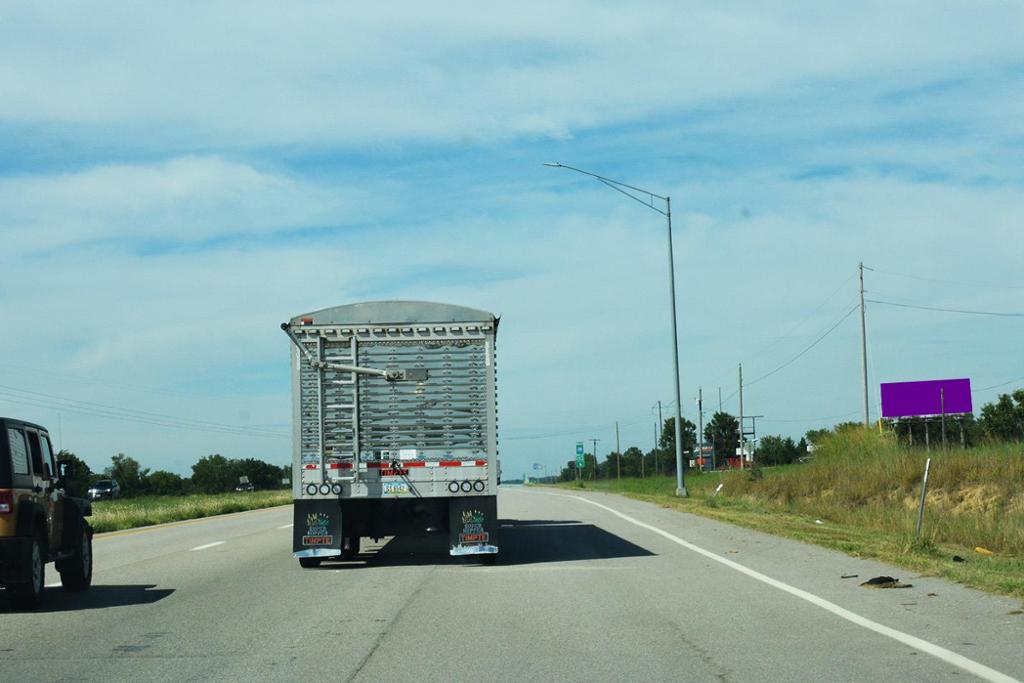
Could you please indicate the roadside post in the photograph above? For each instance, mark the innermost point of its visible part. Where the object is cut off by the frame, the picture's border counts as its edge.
(579, 461)
(924, 492)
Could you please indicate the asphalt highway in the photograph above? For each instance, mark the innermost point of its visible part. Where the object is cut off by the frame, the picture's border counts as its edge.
(588, 587)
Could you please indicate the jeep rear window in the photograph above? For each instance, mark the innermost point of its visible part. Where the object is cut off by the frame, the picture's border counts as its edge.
(18, 449)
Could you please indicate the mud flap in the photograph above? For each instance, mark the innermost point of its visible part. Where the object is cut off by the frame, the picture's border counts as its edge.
(473, 525)
(316, 529)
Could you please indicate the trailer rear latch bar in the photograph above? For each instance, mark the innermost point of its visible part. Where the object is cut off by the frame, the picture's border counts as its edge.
(390, 374)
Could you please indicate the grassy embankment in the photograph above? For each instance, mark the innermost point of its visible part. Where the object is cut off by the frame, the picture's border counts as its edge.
(127, 513)
(865, 489)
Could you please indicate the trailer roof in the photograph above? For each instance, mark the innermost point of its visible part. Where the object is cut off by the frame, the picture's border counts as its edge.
(396, 312)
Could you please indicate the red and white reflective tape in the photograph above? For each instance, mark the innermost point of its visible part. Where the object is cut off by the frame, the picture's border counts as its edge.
(401, 463)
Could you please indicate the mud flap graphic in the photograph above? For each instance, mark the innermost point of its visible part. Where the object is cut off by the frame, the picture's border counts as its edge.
(472, 524)
(316, 529)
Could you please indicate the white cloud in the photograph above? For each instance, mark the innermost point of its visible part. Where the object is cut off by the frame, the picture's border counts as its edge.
(183, 199)
(242, 72)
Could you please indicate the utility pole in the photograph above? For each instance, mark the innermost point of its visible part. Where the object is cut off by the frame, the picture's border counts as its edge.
(864, 346)
(661, 426)
(594, 474)
(618, 453)
(700, 422)
(742, 450)
(654, 452)
(719, 399)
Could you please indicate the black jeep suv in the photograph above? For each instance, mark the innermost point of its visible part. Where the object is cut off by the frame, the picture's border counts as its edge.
(39, 522)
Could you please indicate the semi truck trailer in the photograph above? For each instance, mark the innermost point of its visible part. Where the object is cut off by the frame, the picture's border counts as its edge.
(395, 428)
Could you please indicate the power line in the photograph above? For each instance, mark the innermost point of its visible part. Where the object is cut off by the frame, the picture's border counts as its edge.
(39, 399)
(996, 386)
(801, 323)
(65, 377)
(948, 282)
(947, 310)
(813, 419)
(805, 350)
(791, 330)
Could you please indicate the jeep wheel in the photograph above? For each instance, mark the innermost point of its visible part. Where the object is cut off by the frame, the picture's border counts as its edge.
(309, 562)
(29, 595)
(76, 571)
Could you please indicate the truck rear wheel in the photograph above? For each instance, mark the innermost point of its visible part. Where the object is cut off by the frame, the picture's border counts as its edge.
(29, 594)
(76, 571)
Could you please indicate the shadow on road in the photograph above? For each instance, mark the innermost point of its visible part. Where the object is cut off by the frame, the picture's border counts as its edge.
(97, 597)
(526, 541)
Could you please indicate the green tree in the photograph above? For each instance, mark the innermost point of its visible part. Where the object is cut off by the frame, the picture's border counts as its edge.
(261, 474)
(1004, 419)
(81, 475)
(667, 443)
(163, 483)
(631, 462)
(816, 436)
(775, 450)
(214, 474)
(128, 473)
(722, 431)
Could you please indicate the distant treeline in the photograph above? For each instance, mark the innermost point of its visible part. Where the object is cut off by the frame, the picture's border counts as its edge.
(1001, 421)
(211, 474)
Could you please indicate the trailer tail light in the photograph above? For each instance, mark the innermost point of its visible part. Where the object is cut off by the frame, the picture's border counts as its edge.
(6, 502)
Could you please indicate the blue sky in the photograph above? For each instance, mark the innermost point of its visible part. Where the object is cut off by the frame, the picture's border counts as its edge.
(176, 182)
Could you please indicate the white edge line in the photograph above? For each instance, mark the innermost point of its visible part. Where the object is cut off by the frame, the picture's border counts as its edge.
(208, 545)
(937, 651)
(285, 526)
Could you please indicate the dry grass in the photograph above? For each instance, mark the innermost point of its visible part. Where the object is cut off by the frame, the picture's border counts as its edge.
(864, 479)
(111, 515)
(865, 489)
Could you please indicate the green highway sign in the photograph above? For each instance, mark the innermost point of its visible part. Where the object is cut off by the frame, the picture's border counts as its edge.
(579, 454)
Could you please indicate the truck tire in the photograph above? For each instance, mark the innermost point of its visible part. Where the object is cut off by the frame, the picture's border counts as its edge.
(76, 571)
(29, 594)
(309, 562)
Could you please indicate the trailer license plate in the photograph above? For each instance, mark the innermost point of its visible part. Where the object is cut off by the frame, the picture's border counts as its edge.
(396, 487)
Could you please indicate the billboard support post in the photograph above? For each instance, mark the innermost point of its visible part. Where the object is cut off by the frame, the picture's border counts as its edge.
(942, 408)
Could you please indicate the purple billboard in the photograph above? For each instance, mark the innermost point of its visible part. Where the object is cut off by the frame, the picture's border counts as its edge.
(932, 397)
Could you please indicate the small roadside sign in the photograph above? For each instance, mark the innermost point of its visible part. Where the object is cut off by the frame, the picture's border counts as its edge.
(579, 454)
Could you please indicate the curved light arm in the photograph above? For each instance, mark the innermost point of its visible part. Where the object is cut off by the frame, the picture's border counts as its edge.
(618, 187)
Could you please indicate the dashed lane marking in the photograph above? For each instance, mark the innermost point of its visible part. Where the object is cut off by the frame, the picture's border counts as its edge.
(207, 545)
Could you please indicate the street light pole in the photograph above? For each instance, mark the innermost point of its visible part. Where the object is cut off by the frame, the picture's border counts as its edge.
(629, 190)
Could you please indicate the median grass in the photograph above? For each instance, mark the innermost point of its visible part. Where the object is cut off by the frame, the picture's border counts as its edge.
(860, 495)
(128, 513)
